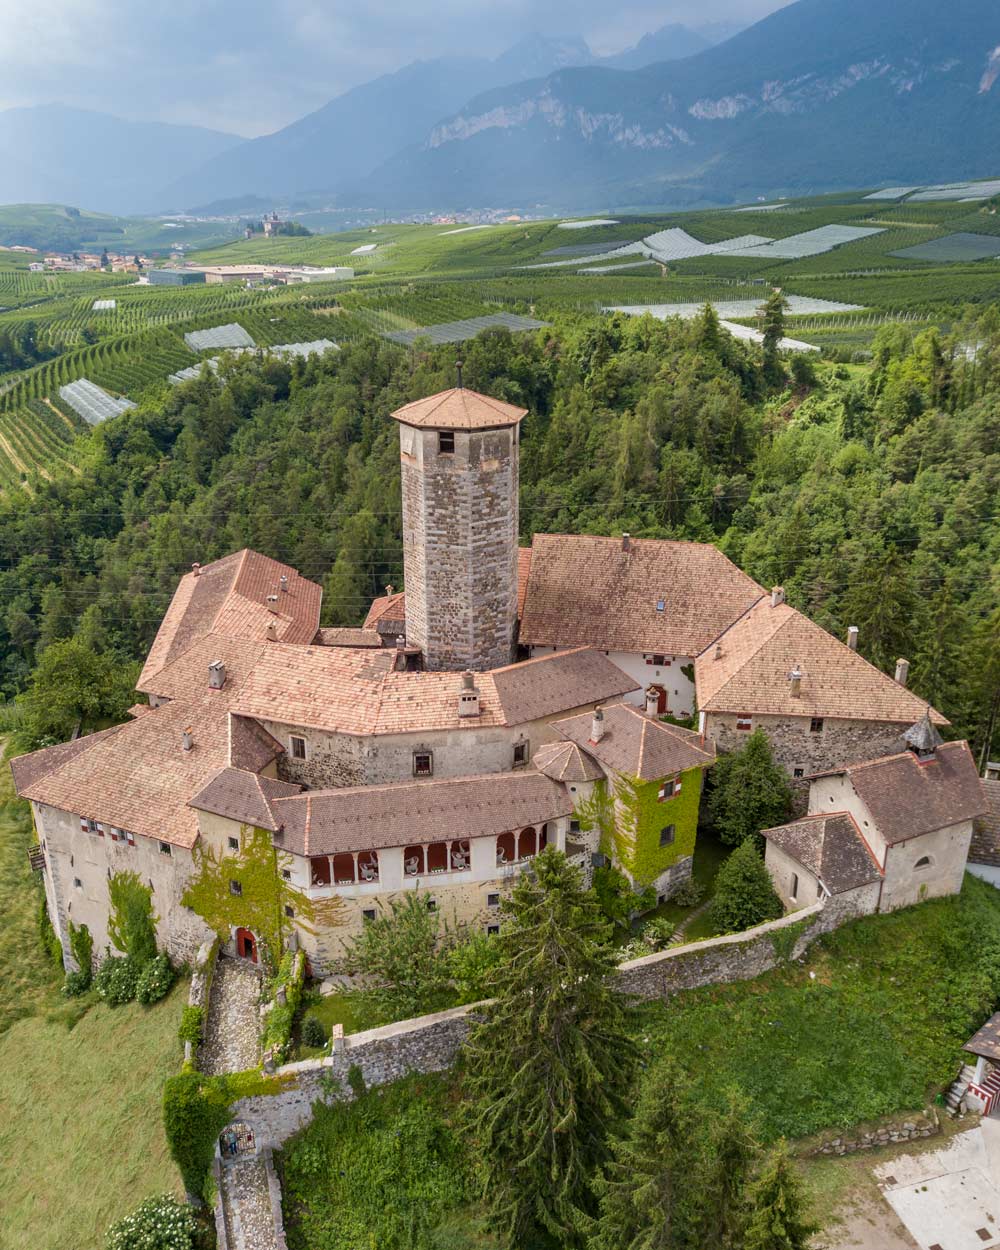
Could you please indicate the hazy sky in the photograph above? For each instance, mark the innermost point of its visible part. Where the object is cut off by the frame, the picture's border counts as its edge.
(251, 66)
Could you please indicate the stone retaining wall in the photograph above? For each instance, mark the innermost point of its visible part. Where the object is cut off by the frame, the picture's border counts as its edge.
(888, 1133)
(201, 986)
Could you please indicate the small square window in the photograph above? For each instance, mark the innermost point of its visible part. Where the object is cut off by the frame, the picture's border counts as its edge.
(520, 754)
(667, 834)
(165, 848)
(115, 834)
(446, 442)
(574, 826)
(744, 723)
(659, 660)
(493, 929)
(368, 914)
(492, 900)
(130, 838)
(423, 764)
(798, 772)
(234, 844)
(78, 883)
(286, 874)
(298, 747)
(432, 904)
(235, 888)
(289, 912)
(816, 725)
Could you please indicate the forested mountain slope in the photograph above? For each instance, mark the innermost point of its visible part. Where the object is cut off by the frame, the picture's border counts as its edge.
(871, 495)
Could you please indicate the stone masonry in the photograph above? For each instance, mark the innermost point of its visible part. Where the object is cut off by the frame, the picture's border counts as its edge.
(232, 1030)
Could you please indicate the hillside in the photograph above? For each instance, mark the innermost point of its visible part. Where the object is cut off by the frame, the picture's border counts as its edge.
(56, 154)
(821, 94)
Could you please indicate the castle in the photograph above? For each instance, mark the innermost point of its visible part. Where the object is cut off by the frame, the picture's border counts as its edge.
(285, 780)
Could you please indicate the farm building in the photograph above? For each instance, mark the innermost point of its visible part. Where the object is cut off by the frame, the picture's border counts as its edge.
(175, 277)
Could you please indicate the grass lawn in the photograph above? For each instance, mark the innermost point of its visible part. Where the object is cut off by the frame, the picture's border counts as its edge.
(331, 1009)
(81, 1136)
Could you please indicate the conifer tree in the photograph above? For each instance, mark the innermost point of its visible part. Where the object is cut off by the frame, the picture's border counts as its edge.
(772, 315)
(733, 1151)
(779, 1215)
(550, 1062)
(649, 1194)
(750, 791)
(744, 895)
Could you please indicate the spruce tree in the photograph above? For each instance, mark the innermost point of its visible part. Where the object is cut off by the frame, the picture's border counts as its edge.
(733, 1152)
(650, 1193)
(548, 1065)
(779, 1214)
(750, 791)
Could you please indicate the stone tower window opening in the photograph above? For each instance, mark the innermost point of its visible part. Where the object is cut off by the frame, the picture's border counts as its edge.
(446, 442)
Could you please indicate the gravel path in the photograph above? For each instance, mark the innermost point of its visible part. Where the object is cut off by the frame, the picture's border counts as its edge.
(247, 1206)
(232, 1033)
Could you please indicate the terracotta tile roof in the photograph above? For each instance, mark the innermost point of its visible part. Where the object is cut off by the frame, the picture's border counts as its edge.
(588, 591)
(229, 597)
(985, 847)
(758, 652)
(636, 745)
(565, 761)
(329, 637)
(556, 683)
(187, 676)
(322, 822)
(908, 797)
(832, 847)
(387, 614)
(243, 796)
(523, 573)
(987, 1041)
(459, 409)
(138, 709)
(32, 768)
(251, 747)
(355, 690)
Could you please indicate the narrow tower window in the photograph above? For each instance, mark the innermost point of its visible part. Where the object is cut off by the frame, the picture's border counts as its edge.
(446, 442)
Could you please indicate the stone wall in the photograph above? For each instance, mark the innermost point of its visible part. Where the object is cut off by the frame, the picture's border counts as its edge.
(201, 986)
(796, 746)
(887, 1133)
(431, 1043)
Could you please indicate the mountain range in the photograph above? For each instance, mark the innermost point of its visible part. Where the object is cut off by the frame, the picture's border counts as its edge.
(819, 95)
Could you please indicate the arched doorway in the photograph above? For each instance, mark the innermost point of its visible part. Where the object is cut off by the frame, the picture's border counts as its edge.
(246, 945)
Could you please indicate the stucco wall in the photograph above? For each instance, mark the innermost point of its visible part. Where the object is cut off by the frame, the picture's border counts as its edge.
(906, 884)
(680, 688)
(787, 873)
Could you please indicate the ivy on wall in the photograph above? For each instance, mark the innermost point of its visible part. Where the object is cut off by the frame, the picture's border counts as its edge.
(630, 817)
(263, 895)
(132, 925)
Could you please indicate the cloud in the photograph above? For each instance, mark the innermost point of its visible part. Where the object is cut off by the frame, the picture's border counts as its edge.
(251, 66)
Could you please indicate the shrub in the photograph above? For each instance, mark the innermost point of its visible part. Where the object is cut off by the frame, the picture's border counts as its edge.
(76, 983)
(132, 925)
(160, 1223)
(81, 943)
(356, 1080)
(750, 791)
(618, 900)
(744, 895)
(473, 962)
(313, 1033)
(281, 1018)
(117, 980)
(155, 980)
(195, 1111)
(48, 937)
(656, 933)
(690, 893)
(192, 1025)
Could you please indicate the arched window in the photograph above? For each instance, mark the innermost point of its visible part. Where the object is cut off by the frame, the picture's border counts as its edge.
(461, 856)
(924, 861)
(506, 849)
(527, 843)
(343, 869)
(413, 861)
(368, 866)
(437, 857)
(319, 870)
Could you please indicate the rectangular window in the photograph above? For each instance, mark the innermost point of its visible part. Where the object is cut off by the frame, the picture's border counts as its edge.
(235, 888)
(667, 834)
(286, 874)
(368, 914)
(659, 660)
(816, 725)
(130, 838)
(574, 826)
(78, 883)
(798, 772)
(289, 912)
(115, 834)
(492, 929)
(423, 764)
(520, 754)
(234, 844)
(298, 747)
(492, 900)
(164, 848)
(668, 789)
(446, 442)
(744, 723)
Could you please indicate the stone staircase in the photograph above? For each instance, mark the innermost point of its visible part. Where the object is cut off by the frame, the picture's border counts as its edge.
(956, 1093)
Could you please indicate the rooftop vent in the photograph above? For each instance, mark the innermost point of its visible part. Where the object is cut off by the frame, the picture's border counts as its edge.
(195, 569)
(271, 633)
(597, 725)
(718, 650)
(400, 642)
(216, 675)
(272, 603)
(468, 697)
(923, 738)
(902, 671)
(458, 374)
(390, 590)
(283, 582)
(777, 596)
(795, 678)
(852, 637)
(187, 739)
(626, 542)
(661, 605)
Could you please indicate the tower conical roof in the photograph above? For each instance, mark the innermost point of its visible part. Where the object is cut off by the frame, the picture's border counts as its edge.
(923, 737)
(459, 409)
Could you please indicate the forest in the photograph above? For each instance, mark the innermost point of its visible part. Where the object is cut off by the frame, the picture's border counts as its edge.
(868, 491)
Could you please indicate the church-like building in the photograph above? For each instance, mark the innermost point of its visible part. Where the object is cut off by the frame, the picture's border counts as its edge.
(284, 780)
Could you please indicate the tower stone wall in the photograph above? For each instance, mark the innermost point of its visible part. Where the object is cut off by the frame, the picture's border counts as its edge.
(460, 526)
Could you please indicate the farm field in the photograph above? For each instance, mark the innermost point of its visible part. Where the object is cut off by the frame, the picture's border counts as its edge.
(848, 264)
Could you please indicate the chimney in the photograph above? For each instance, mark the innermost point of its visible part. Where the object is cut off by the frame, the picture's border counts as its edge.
(272, 632)
(652, 702)
(468, 696)
(195, 569)
(597, 725)
(216, 675)
(718, 650)
(626, 542)
(390, 590)
(400, 642)
(458, 373)
(902, 671)
(284, 582)
(187, 740)
(852, 637)
(795, 677)
(777, 595)
(272, 603)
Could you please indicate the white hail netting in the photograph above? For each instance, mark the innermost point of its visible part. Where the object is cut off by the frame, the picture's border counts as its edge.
(90, 402)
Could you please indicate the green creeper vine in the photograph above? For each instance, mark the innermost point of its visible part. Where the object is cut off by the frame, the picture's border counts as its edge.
(132, 925)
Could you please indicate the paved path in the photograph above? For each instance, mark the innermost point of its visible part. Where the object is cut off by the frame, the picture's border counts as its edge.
(246, 1204)
(678, 938)
(233, 1029)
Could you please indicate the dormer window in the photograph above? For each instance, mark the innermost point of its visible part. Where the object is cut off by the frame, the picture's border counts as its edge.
(423, 764)
(661, 605)
(446, 442)
(520, 754)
